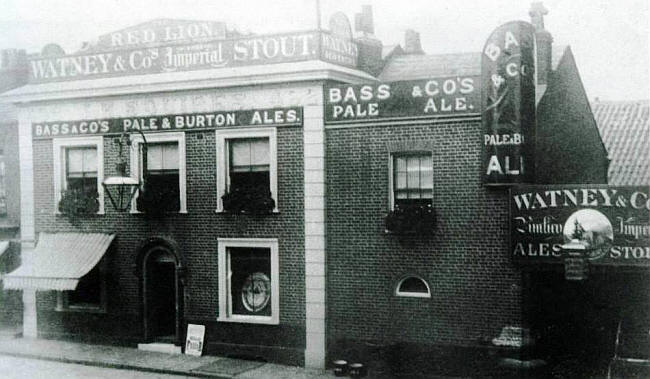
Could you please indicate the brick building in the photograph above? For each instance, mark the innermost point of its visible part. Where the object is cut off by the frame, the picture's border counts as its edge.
(332, 138)
(13, 74)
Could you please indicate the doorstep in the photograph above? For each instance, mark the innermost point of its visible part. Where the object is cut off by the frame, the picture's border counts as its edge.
(160, 347)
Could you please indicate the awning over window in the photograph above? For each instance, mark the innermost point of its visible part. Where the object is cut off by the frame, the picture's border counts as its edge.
(59, 261)
(4, 246)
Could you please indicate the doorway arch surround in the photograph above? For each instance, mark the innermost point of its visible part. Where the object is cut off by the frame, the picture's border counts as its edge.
(159, 260)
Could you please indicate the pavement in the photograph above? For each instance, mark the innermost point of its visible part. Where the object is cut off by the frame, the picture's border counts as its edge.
(134, 359)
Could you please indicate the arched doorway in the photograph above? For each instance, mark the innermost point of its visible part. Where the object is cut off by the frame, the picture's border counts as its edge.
(162, 294)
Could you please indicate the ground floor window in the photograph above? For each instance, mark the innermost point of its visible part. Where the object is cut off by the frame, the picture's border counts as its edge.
(90, 294)
(248, 280)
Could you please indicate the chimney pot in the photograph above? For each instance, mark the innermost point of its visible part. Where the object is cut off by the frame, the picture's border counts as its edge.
(537, 12)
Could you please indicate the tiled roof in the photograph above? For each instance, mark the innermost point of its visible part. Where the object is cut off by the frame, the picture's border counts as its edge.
(625, 129)
(418, 66)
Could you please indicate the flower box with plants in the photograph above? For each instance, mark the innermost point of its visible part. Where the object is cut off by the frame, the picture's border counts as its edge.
(253, 200)
(407, 219)
(157, 201)
(77, 203)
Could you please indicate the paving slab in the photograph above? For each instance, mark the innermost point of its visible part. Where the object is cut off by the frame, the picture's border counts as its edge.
(134, 359)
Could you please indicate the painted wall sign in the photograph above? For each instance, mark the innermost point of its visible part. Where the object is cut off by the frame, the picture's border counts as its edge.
(508, 103)
(157, 32)
(167, 123)
(418, 99)
(214, 54)
(611, 223)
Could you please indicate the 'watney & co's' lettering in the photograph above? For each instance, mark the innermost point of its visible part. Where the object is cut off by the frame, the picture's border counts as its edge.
(266, 117)
(583, 197)
(137, 58)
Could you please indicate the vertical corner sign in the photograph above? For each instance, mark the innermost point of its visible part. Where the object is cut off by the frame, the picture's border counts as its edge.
(508, 105)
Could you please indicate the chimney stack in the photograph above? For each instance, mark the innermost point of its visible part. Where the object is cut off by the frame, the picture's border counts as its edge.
(412, 43)
(369, 46)
(14, 69)
(363, 21)
(544, 41)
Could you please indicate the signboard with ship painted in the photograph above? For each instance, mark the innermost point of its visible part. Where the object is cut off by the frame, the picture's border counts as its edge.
(610, 225)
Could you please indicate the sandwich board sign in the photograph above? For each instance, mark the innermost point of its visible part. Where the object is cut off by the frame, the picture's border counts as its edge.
(195, 339)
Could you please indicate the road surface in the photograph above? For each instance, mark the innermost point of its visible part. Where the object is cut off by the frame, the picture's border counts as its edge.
(23, 368)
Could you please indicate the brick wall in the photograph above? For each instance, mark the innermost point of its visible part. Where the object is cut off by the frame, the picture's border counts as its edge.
(196, 233)
(475, 290)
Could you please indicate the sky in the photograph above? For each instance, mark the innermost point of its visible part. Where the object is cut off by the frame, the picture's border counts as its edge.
(609, 38)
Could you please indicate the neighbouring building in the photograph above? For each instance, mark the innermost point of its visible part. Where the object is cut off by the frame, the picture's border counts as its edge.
(625, 129)
(13, 73)
(306, 196)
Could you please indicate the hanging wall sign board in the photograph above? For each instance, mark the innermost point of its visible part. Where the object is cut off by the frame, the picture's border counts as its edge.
(445, 97)
(291, 116)
(508, 103)
(195, 339)
(608, 225)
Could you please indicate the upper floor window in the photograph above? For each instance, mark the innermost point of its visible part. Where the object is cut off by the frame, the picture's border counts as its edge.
(412, 179)
(247, 168)
(79, 166)
(165, 172)
(162, 174)
(81, 169)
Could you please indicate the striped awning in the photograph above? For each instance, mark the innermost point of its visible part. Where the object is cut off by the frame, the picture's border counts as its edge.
(4, 246)
(59, 261)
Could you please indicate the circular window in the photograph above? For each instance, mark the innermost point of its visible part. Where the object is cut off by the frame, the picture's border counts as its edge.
(256, 292)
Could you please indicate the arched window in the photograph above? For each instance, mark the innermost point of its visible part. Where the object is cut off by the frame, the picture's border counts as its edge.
(412, 286)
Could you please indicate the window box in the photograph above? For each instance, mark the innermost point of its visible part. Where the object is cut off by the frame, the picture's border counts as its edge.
(254, 201)
(247, 171)
(77, 203)
(157, 201)
(411, 219)
(165, 185)
(78, 173)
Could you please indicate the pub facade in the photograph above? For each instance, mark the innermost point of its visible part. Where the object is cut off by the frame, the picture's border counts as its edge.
(303, 196)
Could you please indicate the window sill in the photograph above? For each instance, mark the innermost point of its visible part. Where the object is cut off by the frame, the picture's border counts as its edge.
(223, 211)
(82, 309)
(413, 295)
(265, 320)
(182, 212)
(100, 213)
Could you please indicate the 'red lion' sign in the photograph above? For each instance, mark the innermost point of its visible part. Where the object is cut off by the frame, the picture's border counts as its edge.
(508, 103)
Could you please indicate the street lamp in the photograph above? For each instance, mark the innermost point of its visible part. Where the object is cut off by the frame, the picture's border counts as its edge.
(121, 189)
